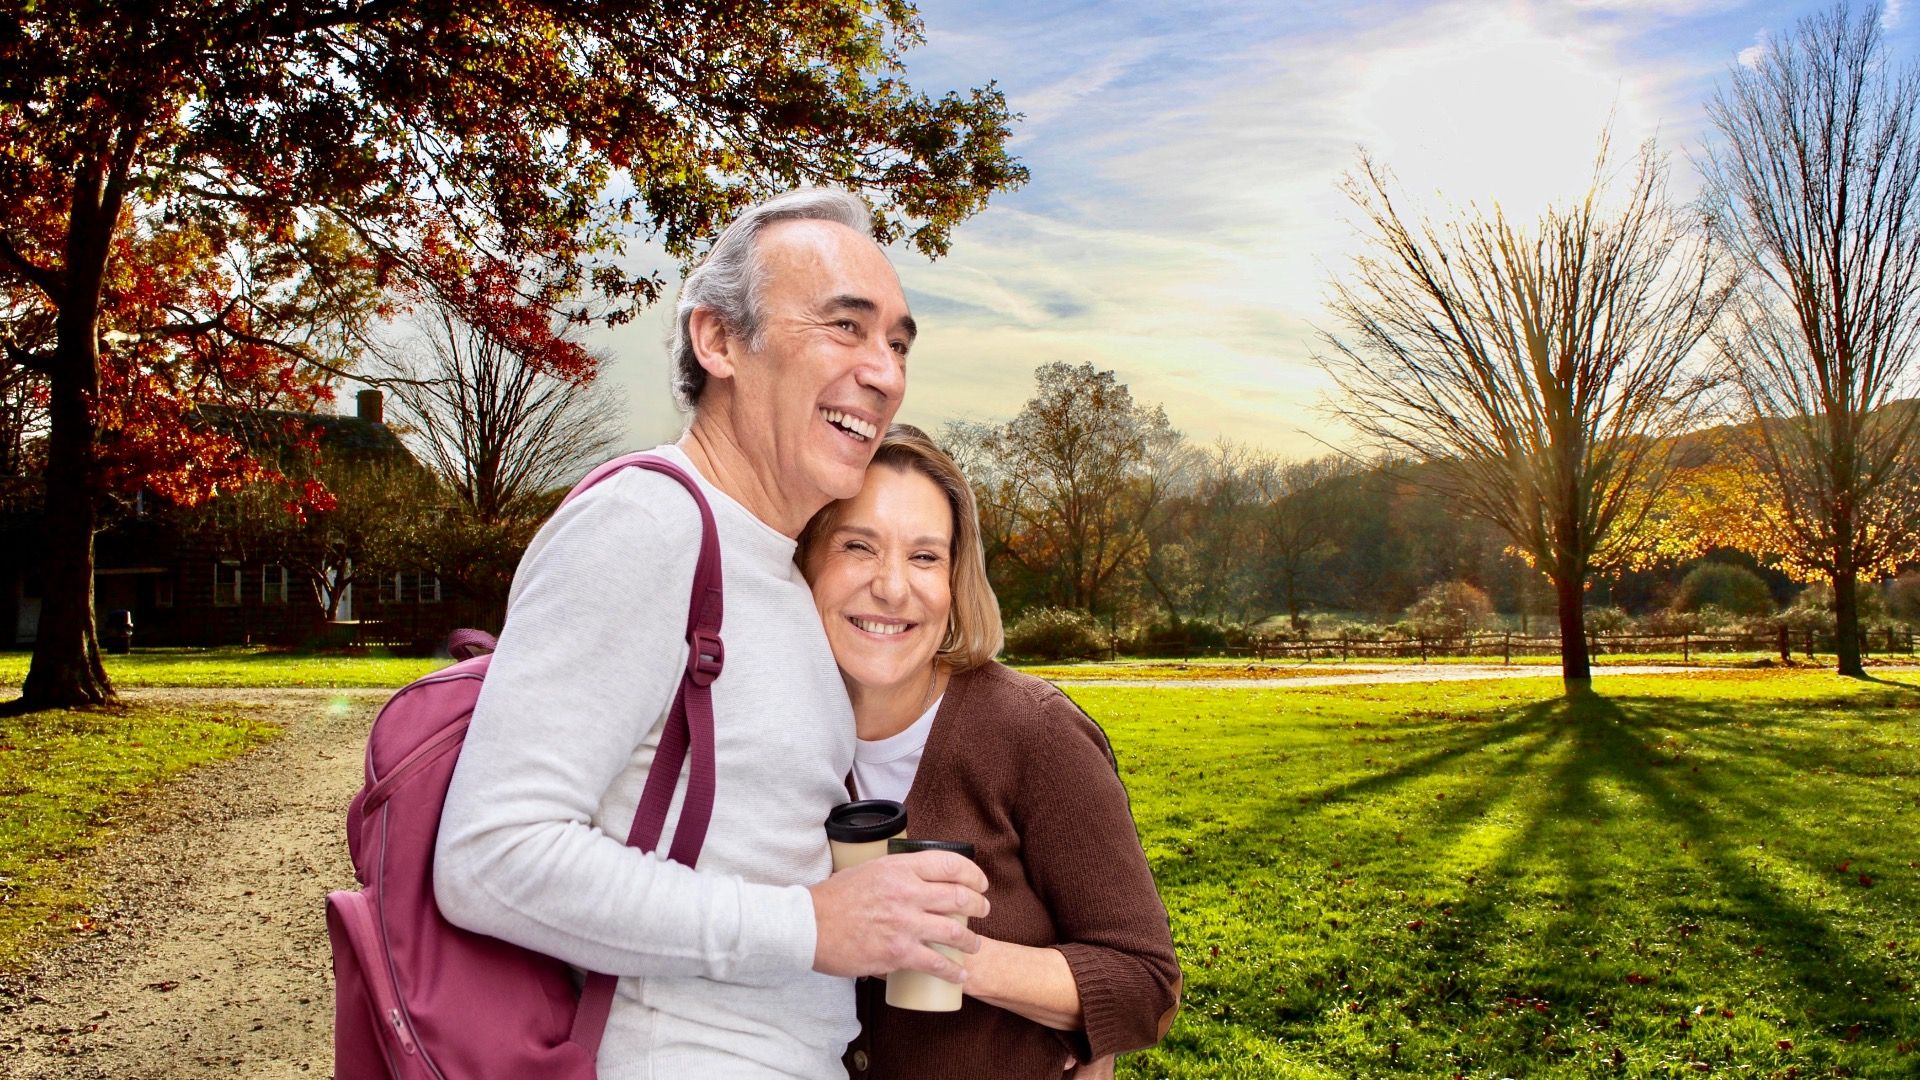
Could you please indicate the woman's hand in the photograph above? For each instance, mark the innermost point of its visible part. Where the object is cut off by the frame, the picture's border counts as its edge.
(1034, 983)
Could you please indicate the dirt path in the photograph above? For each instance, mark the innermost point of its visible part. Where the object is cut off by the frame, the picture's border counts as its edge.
(214, 958)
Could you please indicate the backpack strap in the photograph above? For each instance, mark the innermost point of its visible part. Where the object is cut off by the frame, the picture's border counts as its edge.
(689, 728)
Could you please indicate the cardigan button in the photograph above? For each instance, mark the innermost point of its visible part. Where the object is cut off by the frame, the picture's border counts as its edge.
(860, 1061)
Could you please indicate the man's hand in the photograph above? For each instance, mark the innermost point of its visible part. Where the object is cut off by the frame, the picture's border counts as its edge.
(880, 916)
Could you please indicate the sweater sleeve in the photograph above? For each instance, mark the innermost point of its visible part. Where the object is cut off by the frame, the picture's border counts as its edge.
(587, 665)
(1083, 855)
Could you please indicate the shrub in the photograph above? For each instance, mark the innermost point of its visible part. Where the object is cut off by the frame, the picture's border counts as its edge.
(1671, 621)
(1449, 609)
(1187, 636)
(1903, 598)
(1607, 620)
(1051, 633)
(1735, 590)
(1813, 608)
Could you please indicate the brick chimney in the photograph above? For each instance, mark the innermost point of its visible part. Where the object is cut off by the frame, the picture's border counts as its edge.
(371, 406)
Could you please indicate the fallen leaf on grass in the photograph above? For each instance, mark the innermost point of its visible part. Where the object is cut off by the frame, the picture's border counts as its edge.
(1785, 1044)
(1637, 979)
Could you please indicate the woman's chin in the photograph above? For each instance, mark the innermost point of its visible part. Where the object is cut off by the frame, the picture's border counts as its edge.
(889, 679)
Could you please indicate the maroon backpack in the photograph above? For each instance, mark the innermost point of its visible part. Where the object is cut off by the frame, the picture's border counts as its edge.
(416, 996)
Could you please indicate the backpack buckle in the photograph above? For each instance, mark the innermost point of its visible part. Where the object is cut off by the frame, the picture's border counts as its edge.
(706, 655)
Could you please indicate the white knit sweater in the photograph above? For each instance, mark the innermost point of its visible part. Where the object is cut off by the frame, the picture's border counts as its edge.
(715, 964)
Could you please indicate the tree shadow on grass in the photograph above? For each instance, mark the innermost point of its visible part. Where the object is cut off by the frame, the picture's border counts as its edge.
(1625, 890)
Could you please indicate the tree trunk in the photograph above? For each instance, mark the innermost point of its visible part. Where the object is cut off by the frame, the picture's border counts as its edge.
(66, 668)
(1846, 624)
(1576, 672)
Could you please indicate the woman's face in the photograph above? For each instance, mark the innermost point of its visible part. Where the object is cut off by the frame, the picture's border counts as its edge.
(882, 580)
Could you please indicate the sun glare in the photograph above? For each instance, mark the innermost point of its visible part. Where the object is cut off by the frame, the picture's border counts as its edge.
(1505, 115)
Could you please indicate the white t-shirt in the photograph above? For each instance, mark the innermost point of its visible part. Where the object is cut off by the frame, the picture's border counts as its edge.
(884, 768)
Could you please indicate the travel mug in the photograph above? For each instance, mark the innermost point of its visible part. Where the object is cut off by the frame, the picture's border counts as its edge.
(917, 989)
(859, 831)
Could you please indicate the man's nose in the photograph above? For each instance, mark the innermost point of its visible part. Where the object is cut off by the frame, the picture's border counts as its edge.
(885, 371)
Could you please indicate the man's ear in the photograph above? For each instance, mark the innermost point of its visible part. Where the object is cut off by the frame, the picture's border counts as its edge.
(713, 346)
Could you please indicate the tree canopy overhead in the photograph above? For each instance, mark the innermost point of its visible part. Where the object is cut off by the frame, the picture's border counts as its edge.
(215, 198)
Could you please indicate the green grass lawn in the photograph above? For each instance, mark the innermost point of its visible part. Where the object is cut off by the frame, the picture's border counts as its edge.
(1697, 874)
(65, 776)
(239, 667)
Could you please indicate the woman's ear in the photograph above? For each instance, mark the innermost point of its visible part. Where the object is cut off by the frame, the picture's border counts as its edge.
(713, 344)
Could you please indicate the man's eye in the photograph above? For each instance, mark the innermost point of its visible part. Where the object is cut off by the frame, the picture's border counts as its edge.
(848, 325)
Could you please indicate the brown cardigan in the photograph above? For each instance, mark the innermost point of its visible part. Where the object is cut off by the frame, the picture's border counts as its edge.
(1016, 768)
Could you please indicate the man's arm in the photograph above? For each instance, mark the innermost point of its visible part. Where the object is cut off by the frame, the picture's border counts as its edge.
(588, 662)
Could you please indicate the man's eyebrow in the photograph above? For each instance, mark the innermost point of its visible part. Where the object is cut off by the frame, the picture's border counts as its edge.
(847, 301)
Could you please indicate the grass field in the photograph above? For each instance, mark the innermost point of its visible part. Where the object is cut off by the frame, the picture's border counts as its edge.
(65, 776)
(1697, 874)
(1713, 873)
(235, 666)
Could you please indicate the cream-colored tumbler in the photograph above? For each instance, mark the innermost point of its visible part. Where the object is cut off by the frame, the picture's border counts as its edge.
(858, 832)
(917, 989)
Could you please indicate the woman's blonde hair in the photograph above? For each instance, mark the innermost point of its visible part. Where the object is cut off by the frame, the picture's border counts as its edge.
(973, 623)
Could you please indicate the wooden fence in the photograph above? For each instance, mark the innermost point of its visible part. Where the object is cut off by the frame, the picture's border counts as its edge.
(1507, 645)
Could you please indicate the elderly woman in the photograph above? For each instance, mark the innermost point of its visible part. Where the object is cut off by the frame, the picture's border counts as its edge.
(1076, 960)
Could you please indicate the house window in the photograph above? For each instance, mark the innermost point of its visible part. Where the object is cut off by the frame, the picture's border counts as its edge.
(273, 584)
(390, 588)
(226, 583)
(163, 592)
(426, 588)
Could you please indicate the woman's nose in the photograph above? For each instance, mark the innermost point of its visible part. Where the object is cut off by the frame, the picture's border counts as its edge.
(889, 580)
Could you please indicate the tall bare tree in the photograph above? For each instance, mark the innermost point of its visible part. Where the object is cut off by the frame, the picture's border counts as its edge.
(498, 428)
(1815, 178)
(1539, 371)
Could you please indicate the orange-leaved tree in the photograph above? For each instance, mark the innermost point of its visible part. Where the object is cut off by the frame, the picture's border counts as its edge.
(301, 167)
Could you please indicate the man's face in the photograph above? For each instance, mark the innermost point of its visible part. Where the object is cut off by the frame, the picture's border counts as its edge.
(830, 370)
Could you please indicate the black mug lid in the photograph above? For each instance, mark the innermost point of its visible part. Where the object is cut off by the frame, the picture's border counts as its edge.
(904, 846)
(866, 821)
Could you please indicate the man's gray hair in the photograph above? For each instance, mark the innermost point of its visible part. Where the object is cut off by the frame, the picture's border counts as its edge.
(728, 280)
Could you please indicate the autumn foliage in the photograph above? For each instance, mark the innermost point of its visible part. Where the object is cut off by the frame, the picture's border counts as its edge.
(218, 201)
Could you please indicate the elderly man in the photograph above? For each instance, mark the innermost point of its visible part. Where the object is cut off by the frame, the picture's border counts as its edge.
(791, 352)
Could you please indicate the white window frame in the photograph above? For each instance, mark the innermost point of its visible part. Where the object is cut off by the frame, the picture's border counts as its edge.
(426, 588)
(228, 583)
(390, 588)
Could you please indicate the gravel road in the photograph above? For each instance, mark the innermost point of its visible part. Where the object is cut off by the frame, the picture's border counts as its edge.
(211, 955)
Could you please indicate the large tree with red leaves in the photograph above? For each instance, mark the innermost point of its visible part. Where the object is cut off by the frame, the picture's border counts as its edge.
(212, 198)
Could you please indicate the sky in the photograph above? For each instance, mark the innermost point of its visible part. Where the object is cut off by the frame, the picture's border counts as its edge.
(1184, 215)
